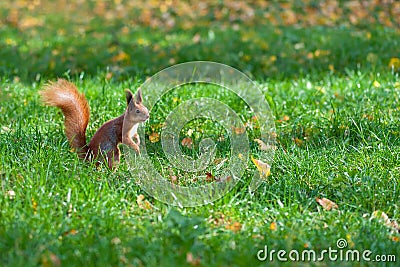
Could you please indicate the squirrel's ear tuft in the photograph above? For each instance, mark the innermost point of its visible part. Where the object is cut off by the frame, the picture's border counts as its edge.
(139, 96)
(129, 96)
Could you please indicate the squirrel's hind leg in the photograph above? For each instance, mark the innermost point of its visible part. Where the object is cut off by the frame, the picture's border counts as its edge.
(113, 158)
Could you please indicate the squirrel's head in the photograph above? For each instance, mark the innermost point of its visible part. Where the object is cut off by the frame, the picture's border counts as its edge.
(136, 110)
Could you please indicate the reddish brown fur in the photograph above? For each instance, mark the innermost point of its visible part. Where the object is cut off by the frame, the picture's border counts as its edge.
(75, 108)
(104, 144)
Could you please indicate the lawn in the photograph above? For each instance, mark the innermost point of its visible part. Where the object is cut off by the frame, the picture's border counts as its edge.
(329, 72)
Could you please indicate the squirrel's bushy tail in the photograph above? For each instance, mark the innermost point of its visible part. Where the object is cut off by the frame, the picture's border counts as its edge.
(74, 106)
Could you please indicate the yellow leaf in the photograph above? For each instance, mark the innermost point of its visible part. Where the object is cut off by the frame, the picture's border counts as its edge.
(298, 141)
(272, 226)
(327, 204)
(234, 227)
(34, 205)
(154, 137)
(121, 56)
(394, 63)
(376, 84)
(263, 168)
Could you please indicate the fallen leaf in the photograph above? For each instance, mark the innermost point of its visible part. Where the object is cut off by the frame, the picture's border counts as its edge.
(121, 56)
(187, 141)
(34, 205)
(11, 194)
(394, 63)
(376, 84)
(327, 204)
(298, 141)
(142, 203)
(238, 130)
(264, 168)
(109, 75)
(234, 227)
(196, 38)
(154, 137)
(383, 216)
(209, 177)
(50, 259)
(194, 261)
(70, 232)
(5, 129)
(218, 219)
(115, 241)
(174, 179)
(263, 146)
(257, 236)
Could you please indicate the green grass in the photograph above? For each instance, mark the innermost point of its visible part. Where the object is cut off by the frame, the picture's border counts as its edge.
(65, 210)
(336, 104)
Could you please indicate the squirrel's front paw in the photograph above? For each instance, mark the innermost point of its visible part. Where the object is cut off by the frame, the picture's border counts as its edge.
(137, 149)
(137, 139)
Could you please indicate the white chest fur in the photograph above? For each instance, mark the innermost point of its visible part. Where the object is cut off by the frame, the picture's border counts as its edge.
(133, 130)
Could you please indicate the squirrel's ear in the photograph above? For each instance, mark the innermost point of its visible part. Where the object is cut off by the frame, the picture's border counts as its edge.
(129, 96)
(139, 96)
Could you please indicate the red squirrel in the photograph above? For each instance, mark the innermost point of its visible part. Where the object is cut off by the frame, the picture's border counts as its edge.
(104, 144)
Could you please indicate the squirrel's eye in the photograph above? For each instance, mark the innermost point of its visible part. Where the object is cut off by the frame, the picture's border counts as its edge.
(137, 111)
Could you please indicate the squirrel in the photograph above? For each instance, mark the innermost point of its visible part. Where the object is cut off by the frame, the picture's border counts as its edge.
(104, 143)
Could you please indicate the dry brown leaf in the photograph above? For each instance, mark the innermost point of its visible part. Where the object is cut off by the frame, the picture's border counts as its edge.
(194, 261)
(210, 177)
(70, 232)
(50, 259)
(11, 194)
(383, 216)
(327, 204)
(173, 179)
(218, 219)
(116, 241)
(187, 141)
(263, 146)
(238, 130)
(142, 203)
